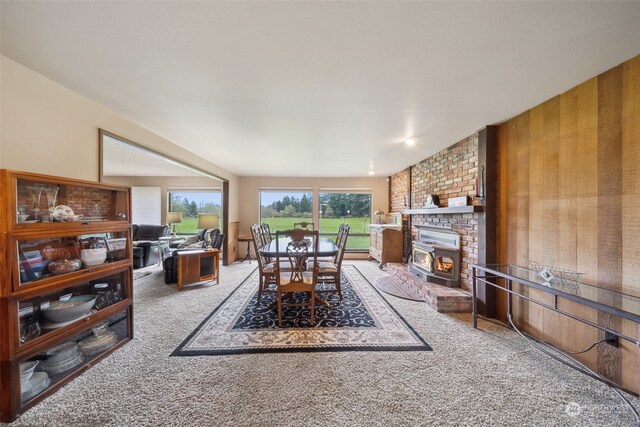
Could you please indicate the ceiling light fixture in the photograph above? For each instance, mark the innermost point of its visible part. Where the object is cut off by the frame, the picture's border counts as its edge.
(410, 141)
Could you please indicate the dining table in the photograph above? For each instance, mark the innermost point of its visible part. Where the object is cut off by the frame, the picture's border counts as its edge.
(326, 248)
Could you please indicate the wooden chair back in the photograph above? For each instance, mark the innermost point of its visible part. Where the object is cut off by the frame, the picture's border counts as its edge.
(266, 233)
(258, 242)
(341, 243)
(297, 253)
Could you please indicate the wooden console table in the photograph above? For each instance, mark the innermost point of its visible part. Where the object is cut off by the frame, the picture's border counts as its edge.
(198, 266)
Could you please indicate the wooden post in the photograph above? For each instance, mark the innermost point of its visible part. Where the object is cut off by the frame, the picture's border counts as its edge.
(487, 225)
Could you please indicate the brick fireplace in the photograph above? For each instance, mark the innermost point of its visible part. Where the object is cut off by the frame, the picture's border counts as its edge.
(451, 172)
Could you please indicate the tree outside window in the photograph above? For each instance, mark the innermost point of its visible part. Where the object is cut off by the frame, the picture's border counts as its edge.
(191, 204)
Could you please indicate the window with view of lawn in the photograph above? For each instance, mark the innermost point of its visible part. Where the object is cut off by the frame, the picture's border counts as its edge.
(192, 203)
(281, 209)
(351, 208)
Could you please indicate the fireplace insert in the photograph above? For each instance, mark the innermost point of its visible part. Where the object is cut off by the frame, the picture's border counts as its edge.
(436, 255)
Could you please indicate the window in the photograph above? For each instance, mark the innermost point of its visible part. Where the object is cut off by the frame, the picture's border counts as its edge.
(192, 203)
(282, 208)
(354, 209)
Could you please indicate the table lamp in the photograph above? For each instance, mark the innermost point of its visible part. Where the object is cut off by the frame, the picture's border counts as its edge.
(208, 221)
(174, 218)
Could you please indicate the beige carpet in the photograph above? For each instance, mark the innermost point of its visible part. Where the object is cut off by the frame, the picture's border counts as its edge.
(472, 377)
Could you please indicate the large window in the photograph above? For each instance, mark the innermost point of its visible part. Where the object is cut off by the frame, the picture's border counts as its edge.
(282, 208)
(351, 208)
(194, 202)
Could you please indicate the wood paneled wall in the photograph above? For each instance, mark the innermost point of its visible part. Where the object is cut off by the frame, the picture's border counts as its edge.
(569, 196)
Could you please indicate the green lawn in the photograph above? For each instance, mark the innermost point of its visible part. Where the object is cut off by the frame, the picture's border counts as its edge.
(328, 226)
(187, 226)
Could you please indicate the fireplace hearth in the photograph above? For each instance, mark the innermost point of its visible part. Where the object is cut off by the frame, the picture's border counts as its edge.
(436, 256)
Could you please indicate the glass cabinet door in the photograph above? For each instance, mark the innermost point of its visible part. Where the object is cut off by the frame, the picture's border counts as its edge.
(44, 314)
(39, 201)
(40, 259)
(49, 367)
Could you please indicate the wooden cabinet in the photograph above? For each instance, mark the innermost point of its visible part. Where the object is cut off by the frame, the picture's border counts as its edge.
(385, 244)
(65, 285)
(198, 266)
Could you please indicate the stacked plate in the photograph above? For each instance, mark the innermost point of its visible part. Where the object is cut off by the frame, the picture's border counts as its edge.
(95, 344)
(62, 358)
(34, 385)
(26, 371)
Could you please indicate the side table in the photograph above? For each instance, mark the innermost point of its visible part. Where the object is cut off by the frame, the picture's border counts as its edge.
(198, 266)
(247, 239)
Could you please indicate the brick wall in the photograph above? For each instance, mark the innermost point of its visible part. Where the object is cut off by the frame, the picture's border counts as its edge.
(451, 172)
(399, 188)
(86, 201)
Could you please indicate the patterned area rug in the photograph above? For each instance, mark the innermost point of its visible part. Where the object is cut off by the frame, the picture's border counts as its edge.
(362, 321)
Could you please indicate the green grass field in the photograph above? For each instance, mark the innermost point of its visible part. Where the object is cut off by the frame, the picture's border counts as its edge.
(328, 226)
(187, 226)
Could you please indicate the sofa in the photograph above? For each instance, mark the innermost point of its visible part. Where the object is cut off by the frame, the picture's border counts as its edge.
(146, 245)
(170, 260)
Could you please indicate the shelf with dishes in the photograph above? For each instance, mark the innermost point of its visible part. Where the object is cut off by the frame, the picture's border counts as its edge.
(66, 253)
(45, 199)
(41, 374)
(46, 315)
(44, 260)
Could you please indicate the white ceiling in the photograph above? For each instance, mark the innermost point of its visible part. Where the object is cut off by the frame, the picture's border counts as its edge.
(318, 88)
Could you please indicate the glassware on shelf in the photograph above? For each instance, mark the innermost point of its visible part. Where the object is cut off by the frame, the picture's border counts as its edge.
(103, 295)
(52, 193)
(29, 328)
(116, 293)
(23, 214)
(36, 195)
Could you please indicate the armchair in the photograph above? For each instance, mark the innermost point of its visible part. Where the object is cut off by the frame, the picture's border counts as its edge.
(146, 247)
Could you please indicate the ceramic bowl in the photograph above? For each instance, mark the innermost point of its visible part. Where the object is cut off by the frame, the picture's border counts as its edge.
(92, 257)
(69, 310)
(26, 370)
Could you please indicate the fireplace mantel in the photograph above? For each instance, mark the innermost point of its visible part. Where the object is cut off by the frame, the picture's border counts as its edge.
(448, 210)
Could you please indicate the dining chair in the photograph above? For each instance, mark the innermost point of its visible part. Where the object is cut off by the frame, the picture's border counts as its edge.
(304, 225)
(329, 271)
(266, 233)
(297, 279)
(265, 267)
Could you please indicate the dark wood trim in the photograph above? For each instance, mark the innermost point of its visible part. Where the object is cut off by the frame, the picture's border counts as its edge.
(389, 194)
(407, 224)
(609, 234)
(487, 223)
(225, 222)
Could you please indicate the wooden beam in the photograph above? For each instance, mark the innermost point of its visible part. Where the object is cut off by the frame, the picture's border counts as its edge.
(487, 223)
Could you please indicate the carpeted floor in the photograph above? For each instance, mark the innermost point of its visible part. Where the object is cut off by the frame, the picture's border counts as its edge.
(472, 377)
